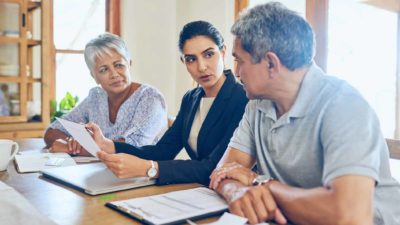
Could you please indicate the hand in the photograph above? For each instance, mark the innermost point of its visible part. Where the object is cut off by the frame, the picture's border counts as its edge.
(256, 204)
(59, 145)
(104, 143)
(125, 165)
(233, 171)
(70, 146)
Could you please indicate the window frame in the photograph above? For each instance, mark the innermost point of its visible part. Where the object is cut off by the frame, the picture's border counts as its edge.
(317, 15)
(113, 25)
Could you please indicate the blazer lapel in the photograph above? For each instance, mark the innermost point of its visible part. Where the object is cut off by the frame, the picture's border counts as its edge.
(193, 105)
(217, 109)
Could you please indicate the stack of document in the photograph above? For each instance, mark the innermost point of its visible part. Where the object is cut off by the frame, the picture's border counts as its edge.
(33, 161)
(173, 207)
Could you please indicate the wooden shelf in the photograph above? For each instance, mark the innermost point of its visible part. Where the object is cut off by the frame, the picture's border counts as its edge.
(6, 39)
(38, 18)
(9, 79)
(32, 43)
(33, 80)
(32, 5)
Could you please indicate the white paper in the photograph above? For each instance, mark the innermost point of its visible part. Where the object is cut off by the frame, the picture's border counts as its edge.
(174, 206)
(80, 134)
(36, 161)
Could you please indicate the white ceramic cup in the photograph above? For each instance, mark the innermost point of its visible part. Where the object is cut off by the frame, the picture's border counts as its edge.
(8, 149)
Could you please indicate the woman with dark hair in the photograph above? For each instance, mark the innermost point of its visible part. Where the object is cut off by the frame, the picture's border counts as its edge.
(207, 118)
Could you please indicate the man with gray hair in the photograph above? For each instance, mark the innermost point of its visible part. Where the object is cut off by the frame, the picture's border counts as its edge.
(320, 155)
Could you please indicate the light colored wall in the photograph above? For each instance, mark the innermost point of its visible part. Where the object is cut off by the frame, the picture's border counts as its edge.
(151, 28)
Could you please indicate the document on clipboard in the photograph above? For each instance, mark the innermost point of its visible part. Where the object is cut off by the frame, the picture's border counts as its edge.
(173, 207)
(79, 133)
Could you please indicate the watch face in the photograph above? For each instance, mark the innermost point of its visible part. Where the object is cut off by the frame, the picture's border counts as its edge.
(261, 178)
(152, 172)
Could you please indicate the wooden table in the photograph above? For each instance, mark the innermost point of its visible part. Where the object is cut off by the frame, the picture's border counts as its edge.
(65, 205)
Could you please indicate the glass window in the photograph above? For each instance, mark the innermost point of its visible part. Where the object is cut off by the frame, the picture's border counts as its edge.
(75, 23)
(363, 52)
(73, 76)
(295, 5)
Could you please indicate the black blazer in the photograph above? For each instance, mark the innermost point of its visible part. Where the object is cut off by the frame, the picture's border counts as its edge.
(213, 139)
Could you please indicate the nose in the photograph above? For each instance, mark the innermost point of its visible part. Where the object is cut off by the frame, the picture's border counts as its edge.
(236, 71)
(201, 65)
(113, 73)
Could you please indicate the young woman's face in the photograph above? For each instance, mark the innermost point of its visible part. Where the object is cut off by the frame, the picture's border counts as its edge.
(204, 60)
(112, 73)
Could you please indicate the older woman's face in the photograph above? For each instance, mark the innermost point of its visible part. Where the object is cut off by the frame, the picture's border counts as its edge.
(112, 73)
(204, 60)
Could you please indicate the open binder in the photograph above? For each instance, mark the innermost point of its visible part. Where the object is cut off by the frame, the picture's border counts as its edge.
(173, 207)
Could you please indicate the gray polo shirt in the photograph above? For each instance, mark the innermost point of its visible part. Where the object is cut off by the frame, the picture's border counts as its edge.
(330, 131)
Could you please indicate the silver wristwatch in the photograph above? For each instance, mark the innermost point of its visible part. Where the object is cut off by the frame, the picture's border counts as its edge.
(261, 179)
(152, 172)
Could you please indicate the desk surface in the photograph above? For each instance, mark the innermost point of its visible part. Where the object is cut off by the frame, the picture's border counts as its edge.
(65, 205)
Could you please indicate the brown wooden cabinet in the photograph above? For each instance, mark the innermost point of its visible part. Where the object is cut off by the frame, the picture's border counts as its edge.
(26, 66)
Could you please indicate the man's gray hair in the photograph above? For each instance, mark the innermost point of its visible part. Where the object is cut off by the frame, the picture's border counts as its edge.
(274, 28)
(102, 45)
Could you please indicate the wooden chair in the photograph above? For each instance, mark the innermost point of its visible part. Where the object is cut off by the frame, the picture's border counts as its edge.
(394, 148)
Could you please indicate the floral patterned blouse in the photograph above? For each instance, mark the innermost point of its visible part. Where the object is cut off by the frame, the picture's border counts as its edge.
(140, 119)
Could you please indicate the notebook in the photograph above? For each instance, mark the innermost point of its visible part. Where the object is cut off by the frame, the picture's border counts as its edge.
(173, 207)
(33, 161)
(93, 178)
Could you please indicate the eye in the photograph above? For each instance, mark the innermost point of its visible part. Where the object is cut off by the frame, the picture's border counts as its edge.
(103, 70)
(209, 54)
(119, 65)
(189, 59)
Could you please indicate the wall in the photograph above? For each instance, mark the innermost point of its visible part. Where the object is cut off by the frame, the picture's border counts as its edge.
(151, 29)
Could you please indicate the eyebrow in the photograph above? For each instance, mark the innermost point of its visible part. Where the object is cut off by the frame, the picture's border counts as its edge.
(210, 48)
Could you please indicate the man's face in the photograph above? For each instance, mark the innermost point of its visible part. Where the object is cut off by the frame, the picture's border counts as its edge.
(254, 76)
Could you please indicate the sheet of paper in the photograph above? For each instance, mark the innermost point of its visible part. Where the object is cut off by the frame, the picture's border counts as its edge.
(228, 218)
(174, 206)
(79, 133)
(34, 162)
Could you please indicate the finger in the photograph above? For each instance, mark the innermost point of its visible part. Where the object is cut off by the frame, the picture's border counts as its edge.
(235, 208)
(111, 158)
(69, 141)
(258, 205)
(248, 210)
(279, 217)
(218, 180)
(74, 146)
(269, 202)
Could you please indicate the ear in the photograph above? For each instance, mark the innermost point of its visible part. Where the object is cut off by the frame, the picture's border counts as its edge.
(273, 63)
(223, 50)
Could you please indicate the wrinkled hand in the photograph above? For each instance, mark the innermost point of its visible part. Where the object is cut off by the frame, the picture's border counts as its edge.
(256, 204)
(70, 146)
(234, 171)
(104, 143)
(124, 165)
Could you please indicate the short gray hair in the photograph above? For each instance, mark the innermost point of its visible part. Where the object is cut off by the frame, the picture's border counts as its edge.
(274, 28)
(104, 44)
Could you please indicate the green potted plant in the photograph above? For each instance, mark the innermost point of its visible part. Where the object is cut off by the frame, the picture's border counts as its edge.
(66, 104)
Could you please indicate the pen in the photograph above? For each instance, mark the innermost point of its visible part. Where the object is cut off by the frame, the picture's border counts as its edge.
(90, 131)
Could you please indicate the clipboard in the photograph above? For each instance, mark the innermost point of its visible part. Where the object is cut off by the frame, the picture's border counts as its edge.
(173, 207)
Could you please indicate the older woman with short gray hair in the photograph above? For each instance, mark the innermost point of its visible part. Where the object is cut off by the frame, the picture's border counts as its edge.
(124, 110)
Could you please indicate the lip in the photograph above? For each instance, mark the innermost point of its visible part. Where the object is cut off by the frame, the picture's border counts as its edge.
(117, 83)
(205, 77)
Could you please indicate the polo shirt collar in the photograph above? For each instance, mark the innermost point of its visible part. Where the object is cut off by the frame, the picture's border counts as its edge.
(309, 89)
